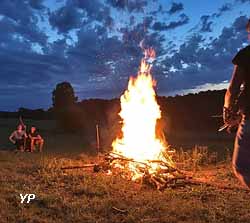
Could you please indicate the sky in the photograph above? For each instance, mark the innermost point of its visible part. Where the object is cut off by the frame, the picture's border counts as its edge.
(96, 45)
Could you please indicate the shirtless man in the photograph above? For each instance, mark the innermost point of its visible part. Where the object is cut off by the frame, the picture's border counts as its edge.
(18, 138)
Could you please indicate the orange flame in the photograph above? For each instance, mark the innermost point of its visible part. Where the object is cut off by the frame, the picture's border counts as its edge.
(139, 112)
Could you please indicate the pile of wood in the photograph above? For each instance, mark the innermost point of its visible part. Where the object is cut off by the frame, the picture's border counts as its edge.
(156, 173)
(163, 176)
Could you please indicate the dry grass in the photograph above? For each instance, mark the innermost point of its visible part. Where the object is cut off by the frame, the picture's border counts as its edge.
(83, 196)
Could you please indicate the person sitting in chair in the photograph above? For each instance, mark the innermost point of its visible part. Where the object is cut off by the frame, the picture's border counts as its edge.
(18, 138)
(35, 139)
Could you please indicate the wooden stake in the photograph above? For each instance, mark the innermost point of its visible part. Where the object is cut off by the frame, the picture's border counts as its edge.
(97, 140)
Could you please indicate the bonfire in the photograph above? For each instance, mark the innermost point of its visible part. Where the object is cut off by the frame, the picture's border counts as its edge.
(139, 155)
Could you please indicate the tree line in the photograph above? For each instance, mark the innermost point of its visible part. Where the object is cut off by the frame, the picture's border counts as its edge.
(192, 112)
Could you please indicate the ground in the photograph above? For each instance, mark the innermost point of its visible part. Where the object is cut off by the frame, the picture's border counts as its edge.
(80, 195)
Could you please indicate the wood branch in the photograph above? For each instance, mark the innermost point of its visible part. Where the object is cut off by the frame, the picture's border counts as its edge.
(114, 156)
(119, 210)
(79, 167)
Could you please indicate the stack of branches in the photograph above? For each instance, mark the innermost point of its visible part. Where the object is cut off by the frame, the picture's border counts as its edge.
(156, 173)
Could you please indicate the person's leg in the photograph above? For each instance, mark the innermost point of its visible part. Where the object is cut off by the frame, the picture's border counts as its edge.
(17, 144)
(241, 155)
(28, 145)
(20, 145)
(32, 145)
(41, 142)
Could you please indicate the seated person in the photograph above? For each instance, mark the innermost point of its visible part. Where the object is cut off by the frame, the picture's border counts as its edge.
(35, 139)
(18, 138)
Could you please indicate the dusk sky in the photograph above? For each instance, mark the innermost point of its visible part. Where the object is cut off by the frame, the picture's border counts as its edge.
(95, 45)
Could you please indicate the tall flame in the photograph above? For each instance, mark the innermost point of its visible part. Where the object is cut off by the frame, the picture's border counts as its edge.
(139, 113)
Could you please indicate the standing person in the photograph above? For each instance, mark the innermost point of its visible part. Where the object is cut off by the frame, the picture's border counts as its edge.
(239, 91)
(18, 138)
(35, 139)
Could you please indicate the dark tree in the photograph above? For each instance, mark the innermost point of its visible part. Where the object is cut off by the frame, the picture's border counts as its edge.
(63, 96)
(65, 107)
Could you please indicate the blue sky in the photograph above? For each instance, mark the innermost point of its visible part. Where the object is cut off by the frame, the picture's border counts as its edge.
(95, 45)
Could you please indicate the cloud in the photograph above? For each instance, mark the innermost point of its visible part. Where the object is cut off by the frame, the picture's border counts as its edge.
(78, 13)
(206, 24)
(20, 11)
(210, 64)
(243, 1)
(37, 4)
(224, 8)
(65, 18)
(30, 32)
(176, 7)
(131, 5)
(160, 26)
(21, 22)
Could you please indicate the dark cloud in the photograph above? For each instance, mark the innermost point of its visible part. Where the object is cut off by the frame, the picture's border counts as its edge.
(37, 4)
(78, 13)
(107, 62)
(21, 11)
(31, 33)
(148, 21)
(210, 64)
(206, 24)
(224, 8)
(22, 22)
(176, 7)
(129, 5)
(132, 20)
(29, 76)
(22, 15)
(95, 10)
(160, 26)
(243, 1)
(65, 18)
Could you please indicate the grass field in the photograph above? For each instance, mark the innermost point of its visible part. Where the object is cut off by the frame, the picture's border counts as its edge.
(83, 196)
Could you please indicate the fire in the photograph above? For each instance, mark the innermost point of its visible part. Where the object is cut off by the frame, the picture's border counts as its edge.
(139, 114)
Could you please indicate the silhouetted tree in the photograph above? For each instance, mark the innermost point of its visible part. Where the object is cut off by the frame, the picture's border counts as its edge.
(67, 112)
(63, 96)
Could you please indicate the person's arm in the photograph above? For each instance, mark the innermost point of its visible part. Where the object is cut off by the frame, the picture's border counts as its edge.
(25, 135)
(33, 137)
(11, 137)
(234, 87)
